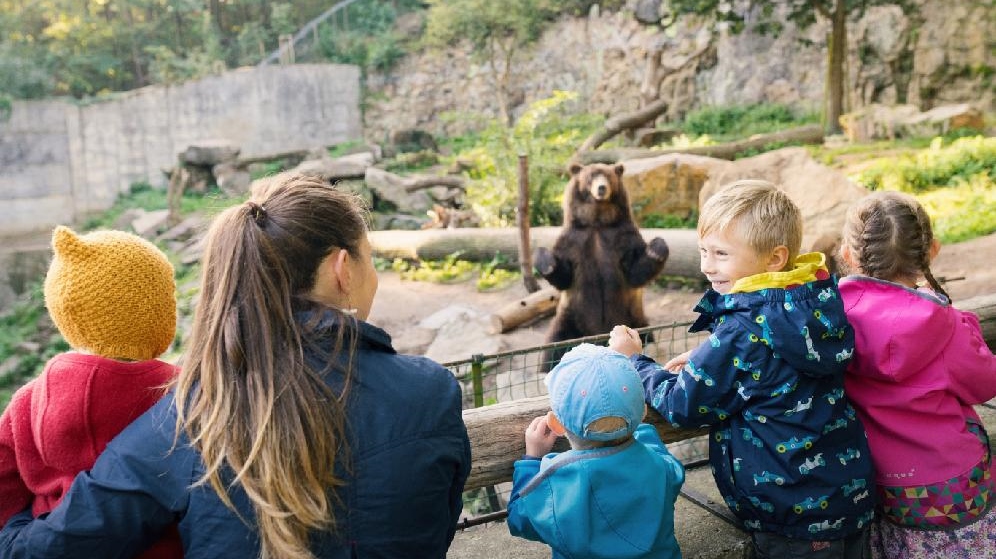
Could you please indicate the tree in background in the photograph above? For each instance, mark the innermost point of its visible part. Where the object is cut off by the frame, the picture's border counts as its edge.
(88, 47)
(496, 31)
(803, 13)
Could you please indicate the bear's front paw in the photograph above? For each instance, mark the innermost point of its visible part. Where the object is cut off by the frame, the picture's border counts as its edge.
(658, 249)
(544, 261)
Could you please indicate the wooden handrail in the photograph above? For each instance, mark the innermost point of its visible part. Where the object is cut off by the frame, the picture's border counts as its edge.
(497, 432)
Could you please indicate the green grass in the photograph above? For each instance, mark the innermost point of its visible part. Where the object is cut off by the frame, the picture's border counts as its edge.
(143, 196)
(736, 122)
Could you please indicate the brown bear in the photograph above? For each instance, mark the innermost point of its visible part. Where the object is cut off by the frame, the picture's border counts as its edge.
(600, 261)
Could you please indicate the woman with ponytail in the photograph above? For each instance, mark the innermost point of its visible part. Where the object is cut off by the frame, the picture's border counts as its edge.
(919, 366)
(294, 430)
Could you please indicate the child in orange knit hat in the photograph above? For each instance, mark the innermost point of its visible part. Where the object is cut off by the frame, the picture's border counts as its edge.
(112, 296)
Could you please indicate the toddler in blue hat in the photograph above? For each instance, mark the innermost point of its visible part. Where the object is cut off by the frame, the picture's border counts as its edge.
(612, 495)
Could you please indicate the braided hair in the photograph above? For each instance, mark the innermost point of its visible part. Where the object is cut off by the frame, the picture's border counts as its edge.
(890, 236)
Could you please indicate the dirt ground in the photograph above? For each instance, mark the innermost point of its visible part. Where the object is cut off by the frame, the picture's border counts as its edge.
(400, 305)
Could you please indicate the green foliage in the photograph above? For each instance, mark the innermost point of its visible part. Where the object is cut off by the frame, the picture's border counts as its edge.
(26, 320)
(954, 180)
(486, 24)
(735, 122)
(370, 40)
(964, 211)
(937, 166)
(490, 275)
(670, 221)
(449, 270)
(547, 134)
(496, 274)
(146, 197)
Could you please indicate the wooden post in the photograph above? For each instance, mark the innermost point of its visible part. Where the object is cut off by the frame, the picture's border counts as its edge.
(522, 219)
(286, 43)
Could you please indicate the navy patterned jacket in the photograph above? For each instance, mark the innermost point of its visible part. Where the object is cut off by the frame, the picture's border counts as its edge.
(786, 448)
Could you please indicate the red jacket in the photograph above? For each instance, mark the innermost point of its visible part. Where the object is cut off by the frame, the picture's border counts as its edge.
(56, 425)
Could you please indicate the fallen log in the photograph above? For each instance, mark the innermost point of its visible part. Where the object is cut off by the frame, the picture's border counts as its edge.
(984, 306)
(535, 305)
(627, 121)
(412, 184)
(811, 134)
(497, 432)
(484, 243)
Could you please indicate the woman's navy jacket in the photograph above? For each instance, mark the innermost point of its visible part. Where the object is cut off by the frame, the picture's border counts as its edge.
(409, 459)
(787, 451)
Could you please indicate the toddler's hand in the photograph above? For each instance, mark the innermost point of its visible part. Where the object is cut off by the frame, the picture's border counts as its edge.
(625, 340)
(676, 363)
(539, 437)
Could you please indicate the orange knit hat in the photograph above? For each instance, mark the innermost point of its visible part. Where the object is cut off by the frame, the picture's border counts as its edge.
(111, 293)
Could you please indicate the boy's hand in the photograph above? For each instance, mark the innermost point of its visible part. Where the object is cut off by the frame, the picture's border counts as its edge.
(625, 340)
(539, 437)
(676, 363)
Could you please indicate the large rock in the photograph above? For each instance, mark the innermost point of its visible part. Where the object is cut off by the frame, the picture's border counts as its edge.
(668, 185)
(353, 166)
(876, 122)
(210, 152)
(941, 120)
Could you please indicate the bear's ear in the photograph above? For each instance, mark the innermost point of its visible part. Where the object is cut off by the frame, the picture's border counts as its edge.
(618, 169)
(574, 168)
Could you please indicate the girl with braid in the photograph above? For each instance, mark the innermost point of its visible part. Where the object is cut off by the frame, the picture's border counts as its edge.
(294, 429)
(919, 367)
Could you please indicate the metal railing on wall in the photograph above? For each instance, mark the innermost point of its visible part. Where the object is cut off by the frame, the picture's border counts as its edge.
(288, 45)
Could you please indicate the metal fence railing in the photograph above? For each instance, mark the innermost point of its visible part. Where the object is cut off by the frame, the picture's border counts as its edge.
(512, 375)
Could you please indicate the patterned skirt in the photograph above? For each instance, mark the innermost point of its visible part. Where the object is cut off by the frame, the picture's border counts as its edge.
(974, 541)
(955, 519)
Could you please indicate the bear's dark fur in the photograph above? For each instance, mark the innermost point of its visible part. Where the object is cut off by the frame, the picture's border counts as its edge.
(600, 261)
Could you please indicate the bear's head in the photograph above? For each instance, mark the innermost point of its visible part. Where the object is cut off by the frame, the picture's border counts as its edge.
(595, 196)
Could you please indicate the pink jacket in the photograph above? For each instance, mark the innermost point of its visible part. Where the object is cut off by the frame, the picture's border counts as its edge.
(919, 366)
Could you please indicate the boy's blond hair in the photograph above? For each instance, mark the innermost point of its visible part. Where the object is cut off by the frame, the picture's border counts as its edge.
(757, 211)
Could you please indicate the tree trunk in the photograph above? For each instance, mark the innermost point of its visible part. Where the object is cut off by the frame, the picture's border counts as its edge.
(522, 220)
(811, 134)
(835, 63)
(627, 121)
(984, 306)
(481, 244)
(419, 182)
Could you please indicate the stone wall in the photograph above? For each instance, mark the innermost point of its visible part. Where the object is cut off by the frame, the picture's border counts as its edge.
(60, 161)
(944, 54)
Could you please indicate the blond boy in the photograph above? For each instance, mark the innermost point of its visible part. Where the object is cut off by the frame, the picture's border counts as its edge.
(787, 451)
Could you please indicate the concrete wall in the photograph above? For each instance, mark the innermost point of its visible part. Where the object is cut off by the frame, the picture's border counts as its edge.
(60, 161)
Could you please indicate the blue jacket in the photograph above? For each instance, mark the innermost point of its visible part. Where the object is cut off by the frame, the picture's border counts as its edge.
(606, 502)
(410, 456)
(786, 448)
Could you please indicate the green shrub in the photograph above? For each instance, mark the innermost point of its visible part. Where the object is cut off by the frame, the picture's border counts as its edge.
(734, 122)
(547, 133)
(964, 211)
(670, 221)
(935, 167)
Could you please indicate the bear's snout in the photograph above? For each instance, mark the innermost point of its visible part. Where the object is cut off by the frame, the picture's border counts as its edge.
(600, 188)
